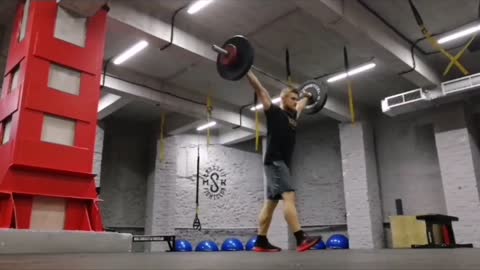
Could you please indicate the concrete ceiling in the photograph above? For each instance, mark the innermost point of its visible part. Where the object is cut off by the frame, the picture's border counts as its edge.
(141, 112)
(273, 27)
(439, 17)
(316, 46)
(7, 11)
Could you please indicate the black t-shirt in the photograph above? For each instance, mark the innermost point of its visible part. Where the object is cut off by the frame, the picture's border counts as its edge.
(281, 126)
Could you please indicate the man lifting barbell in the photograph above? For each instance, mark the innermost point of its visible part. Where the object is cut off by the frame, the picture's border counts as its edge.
(281, 126)
(235, 59)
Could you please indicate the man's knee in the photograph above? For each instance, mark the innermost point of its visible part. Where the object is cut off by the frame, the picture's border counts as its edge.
(269, 206)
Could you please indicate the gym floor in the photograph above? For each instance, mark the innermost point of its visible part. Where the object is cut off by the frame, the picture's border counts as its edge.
(459, 259)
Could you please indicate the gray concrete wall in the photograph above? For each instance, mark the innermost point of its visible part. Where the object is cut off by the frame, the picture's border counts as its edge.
(408, 164)
(5, 32)
(124, 173)
(458, 155)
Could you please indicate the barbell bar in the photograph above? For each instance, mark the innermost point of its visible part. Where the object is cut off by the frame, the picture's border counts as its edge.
(235, 59)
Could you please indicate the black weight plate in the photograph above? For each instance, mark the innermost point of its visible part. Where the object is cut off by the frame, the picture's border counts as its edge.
(245, 55)
(319, 96)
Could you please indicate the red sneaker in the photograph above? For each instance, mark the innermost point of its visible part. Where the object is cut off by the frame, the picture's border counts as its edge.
(307, 243)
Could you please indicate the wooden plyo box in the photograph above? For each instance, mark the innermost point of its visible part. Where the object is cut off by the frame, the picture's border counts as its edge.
(408, 231)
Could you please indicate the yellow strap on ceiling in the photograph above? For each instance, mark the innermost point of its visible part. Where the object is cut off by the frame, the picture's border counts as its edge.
(350, 101)
(433, 42)
(459, 55)
(437, 46)
(349, 84)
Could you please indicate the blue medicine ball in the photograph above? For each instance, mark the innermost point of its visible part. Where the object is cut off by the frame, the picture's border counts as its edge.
(320, 245)
(232, 244)
(337, 241)
(206, 246)
(183, 246)
(251, 243)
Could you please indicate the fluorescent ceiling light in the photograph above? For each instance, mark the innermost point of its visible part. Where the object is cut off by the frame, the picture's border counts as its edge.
(207, 125)
(130, 52)
(352, 72)
(460, 34)
(260, 106)
(198, 5)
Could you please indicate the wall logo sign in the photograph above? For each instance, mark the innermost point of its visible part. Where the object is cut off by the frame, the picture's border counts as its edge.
(214, 182)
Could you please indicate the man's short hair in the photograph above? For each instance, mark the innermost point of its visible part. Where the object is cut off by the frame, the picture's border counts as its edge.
(289, 90)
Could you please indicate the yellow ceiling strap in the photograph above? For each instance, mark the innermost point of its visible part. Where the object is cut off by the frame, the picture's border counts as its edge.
(349, 84)
(437, 46)
(433, 42)
(459, 55)
(350, 101)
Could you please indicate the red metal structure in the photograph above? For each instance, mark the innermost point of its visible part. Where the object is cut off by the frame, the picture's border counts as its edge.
(29, 166)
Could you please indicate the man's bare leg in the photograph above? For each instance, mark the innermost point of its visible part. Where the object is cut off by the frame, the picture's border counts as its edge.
(290, 211)
(265, 218)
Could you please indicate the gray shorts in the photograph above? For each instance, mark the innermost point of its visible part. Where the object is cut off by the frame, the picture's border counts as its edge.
(278, 180)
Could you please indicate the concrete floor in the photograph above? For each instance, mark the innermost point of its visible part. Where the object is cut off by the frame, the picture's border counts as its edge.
(331, 259)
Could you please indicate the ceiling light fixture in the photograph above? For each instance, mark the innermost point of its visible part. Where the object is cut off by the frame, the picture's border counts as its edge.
(207, 125)
(352, 72)
(130, 52)
(459, 34)
(260, 106)
(198, 5)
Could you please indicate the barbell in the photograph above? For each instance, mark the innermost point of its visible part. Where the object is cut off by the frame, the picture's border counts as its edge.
(235, 58)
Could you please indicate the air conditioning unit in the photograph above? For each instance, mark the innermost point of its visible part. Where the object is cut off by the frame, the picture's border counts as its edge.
(463, 84)
(405, 102)
(417, 99)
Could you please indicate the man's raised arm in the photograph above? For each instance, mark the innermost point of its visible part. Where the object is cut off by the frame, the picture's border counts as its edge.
(261, 92)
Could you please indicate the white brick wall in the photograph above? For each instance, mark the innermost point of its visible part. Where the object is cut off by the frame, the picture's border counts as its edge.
(362, 198)
(457, 154)
(171, 189)
(317, 174)
(243, 191)
(161, 198)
